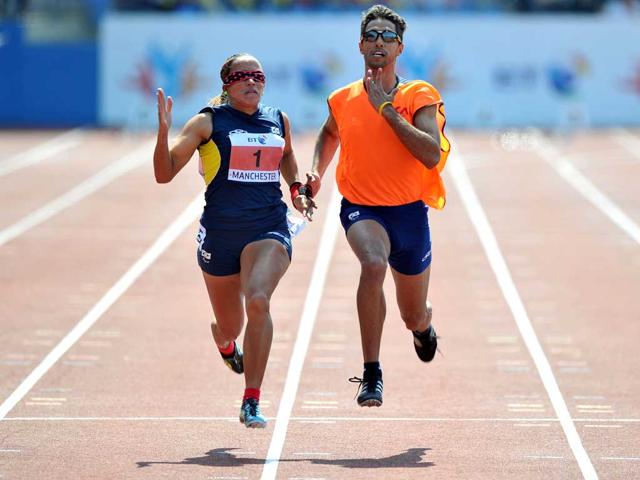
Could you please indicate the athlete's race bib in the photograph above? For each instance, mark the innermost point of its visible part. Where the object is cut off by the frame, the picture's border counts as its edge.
(255, 157)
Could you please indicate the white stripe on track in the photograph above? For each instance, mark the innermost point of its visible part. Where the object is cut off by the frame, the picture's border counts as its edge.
(79, 192)
(41, 152)
(628, 140)
(588, 190)
(188, 216)
(505, 281)
(305, 329)
(365, 419)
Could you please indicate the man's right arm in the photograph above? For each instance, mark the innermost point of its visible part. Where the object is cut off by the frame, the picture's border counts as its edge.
(326, 146)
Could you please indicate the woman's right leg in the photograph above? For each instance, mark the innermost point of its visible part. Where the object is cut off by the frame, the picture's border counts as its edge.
(225, 295)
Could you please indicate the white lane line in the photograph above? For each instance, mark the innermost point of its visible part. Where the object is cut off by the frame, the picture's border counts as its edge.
(490, 245)
(588, 190)
(86, 188)
(632, 459)
(305, 329)
(186, 218)
(629, 141)
(322, 419)
(43, 151)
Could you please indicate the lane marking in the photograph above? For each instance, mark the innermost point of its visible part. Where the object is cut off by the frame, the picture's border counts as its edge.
(102, 178)
(166, 238)
(489, 242)
(43, 151)
(633, 459)
(324, 419)
(588, 190)
(629, 141)
(318, 421)
(305, 329)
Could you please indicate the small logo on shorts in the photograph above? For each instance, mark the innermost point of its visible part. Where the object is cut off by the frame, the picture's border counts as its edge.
(424, 259)
(284, 238)
(354, 215)
(206, 256)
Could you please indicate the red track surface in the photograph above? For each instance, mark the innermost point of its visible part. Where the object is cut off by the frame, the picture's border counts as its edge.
(143, 393)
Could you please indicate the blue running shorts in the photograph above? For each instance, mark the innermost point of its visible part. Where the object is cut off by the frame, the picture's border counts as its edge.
(219, 250)
(407, 227)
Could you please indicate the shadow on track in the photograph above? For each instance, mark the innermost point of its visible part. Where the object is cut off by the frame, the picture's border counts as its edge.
(224, 457)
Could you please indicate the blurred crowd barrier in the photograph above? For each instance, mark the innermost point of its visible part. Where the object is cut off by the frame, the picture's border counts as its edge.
(95, 8)
(99, 62)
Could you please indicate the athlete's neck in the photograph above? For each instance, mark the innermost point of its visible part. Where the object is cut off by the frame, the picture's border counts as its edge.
(244, 108)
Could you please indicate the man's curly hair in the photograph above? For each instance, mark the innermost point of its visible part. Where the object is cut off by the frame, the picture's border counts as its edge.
(380, 11)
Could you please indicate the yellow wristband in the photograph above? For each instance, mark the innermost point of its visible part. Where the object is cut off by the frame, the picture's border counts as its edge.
(381, 107)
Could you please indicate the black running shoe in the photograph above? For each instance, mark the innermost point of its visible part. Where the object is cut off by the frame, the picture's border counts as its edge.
(250, 414)
(234, 362)
(370, 390)
(426, 344)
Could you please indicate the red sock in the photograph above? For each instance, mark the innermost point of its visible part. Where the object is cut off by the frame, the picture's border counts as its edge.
(228, 350)
(251, 393)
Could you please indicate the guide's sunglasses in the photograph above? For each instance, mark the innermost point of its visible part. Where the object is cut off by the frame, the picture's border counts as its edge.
(387, 36)
(257, 75)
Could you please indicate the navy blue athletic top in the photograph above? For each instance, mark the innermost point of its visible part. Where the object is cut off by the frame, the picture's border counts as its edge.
(240, 164)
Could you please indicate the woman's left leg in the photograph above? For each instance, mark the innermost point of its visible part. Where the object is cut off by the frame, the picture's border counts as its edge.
(262, 265)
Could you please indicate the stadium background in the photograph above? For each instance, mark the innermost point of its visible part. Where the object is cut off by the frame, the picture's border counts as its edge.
(499, 63)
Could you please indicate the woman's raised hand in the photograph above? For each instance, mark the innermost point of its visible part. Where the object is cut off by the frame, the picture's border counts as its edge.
(164, 111)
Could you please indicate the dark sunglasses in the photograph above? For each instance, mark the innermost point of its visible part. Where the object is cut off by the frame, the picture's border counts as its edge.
(257, 75)
(387, 36)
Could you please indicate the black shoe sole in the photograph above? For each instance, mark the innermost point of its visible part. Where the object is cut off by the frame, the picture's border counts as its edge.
(370, 402)
(428, 352)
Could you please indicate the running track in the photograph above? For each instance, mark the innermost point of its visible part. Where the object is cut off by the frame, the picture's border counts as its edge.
(107, 369)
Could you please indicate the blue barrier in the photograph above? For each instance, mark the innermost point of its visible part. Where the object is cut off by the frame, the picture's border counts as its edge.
(46, 85)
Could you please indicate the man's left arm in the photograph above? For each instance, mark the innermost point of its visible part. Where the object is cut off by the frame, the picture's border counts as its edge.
(423, 138)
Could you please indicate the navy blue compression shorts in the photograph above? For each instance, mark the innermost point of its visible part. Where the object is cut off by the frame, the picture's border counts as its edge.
(219, 250)
(407, 227)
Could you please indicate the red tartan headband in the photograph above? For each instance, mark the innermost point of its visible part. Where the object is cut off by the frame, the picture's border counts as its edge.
(257, 75)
